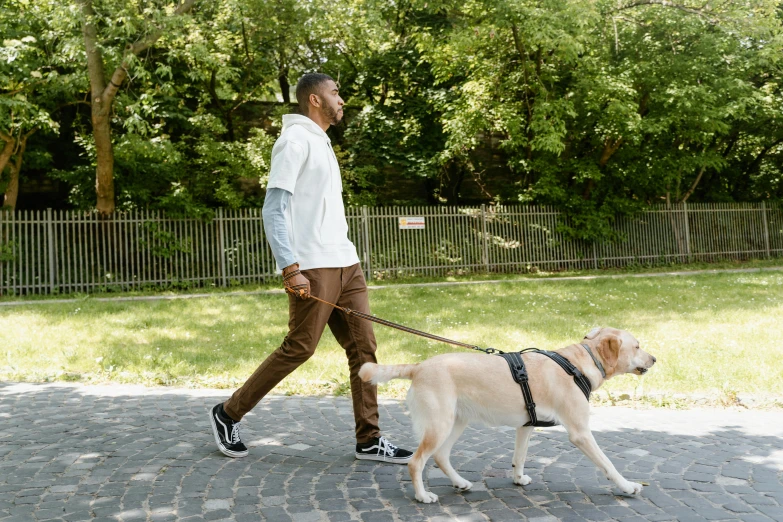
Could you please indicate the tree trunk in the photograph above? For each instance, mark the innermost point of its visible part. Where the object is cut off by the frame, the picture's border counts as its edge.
(100, 102)
(104, 175)
(285, 87)
(449, 188)
(12, 190)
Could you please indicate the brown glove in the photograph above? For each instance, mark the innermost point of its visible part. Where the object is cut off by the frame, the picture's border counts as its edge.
(295, 283)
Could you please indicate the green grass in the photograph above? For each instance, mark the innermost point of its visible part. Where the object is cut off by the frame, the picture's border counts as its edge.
(716, 334)
(185, 288)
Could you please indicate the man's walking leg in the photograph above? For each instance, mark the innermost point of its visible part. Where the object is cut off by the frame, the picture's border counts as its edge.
(306, 322)
(358, 340)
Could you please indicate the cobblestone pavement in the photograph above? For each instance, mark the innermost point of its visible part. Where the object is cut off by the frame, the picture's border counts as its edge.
(127, 453)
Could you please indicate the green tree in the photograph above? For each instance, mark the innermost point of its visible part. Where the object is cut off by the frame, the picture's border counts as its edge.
(601, 108)
(30, 89)
(116, 33)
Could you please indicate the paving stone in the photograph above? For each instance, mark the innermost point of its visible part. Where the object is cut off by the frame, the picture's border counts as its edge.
(699, 465)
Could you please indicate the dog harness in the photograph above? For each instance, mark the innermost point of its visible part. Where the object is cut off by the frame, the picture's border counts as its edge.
(519, 373)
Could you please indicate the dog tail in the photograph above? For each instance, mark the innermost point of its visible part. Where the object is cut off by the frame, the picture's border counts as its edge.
(378, 373)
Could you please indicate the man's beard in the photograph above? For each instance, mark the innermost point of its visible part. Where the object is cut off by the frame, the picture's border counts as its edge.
(332, 116)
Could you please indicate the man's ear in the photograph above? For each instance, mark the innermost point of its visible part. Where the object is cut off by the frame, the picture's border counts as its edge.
(609, 350)
(315, 100)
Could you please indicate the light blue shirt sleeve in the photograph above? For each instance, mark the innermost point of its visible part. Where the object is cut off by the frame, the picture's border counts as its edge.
(275, 205)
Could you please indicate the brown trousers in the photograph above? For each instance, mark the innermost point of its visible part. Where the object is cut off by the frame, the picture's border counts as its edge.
(307, 319)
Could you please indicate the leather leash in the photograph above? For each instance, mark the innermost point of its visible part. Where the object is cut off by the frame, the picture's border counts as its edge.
(390, 324)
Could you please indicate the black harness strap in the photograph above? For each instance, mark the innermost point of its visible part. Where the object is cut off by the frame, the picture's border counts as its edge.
(579, 378)
(519, 373)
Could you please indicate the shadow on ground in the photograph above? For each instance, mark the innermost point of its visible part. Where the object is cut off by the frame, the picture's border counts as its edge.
(129, 453)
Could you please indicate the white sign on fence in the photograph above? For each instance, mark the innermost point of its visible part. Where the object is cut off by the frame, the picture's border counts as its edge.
(411, 222)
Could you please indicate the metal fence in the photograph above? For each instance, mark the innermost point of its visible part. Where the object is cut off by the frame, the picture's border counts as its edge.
(59, 251)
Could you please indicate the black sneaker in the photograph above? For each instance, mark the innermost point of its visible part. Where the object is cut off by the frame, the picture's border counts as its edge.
(226, 431)
(382, 450)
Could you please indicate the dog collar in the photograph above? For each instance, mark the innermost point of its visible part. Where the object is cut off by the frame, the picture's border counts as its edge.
(596, 361)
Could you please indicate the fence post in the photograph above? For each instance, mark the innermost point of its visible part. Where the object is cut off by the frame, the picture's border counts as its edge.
(687, 231)
(485, 246)
(50, 241)
(766, 228)
(595, 255)
(222, 241)
(2, 245)
(366, 241)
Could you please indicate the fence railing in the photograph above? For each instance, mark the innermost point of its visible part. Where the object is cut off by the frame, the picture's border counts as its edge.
(63, 251)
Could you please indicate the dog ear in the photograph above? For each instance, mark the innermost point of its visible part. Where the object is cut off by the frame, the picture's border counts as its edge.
(593, 333)
(609, 350)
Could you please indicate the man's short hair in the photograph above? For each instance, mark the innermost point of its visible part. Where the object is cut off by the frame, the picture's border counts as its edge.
(307, 85)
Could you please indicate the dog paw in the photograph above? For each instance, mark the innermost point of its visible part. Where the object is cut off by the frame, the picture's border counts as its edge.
(463, 484)
(522, 480)
(427, 497)
(631, 488)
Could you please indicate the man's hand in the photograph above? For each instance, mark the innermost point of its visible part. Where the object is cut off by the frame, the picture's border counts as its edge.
(295, 283)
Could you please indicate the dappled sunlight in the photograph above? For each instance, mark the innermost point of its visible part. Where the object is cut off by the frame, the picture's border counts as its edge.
(710, 332)
(147, 440)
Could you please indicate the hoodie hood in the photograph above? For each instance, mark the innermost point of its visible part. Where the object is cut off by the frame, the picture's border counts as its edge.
(291, 120)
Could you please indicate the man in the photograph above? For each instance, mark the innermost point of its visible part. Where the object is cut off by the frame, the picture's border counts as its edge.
(305, 224)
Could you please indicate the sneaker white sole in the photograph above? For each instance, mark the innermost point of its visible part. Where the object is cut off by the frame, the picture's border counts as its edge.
(380, 458)
(224, 450)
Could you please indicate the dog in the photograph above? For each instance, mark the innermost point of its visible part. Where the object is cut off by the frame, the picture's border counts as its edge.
(451, 390)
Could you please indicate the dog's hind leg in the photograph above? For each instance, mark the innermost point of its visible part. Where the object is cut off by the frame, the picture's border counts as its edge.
(437, 420)
(443, 453)
(520, 454)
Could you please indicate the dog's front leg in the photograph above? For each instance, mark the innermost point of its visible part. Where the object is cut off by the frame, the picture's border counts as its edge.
(520, 455)
(581, 436)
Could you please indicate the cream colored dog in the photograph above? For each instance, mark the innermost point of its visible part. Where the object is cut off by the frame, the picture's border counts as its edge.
(451, 390)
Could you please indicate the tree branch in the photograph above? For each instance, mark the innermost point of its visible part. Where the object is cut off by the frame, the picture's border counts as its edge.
(213, 89)
(693, 187)
(609, 149)
(20, 148)
(758, 159)
(667, 3)
(138, 47)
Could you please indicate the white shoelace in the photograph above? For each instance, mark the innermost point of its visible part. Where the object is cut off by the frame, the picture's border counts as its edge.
(386, 447)
(235, 433)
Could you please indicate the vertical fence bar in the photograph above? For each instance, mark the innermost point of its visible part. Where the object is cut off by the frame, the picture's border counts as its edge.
(222, 246)
(687, 231)
(485, 246)
(50, 241)
(766, 228)
(366, 241)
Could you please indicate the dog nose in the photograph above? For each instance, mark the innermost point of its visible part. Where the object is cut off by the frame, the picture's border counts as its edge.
(653, 359)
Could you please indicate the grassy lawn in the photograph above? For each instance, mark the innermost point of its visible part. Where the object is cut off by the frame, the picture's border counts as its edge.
(718, 334)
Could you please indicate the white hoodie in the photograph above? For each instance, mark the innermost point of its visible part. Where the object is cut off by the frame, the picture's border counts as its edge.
(304, 164)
